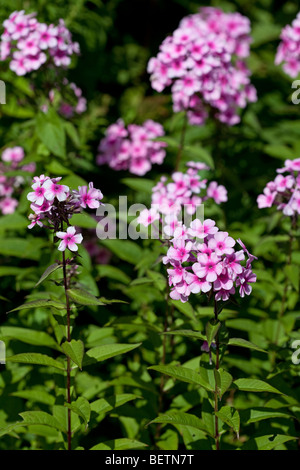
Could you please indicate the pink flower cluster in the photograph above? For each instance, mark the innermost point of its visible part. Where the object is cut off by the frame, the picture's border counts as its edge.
(26, 42)
(184, 193)
(284, 191)
(11, 159)
(55, 203)
(288, 50)
(203, 63)
(203, 259)
(132, 148)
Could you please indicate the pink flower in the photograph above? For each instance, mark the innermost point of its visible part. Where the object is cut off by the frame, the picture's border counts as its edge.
(266, 199)
(222, 244)
(202, 230)
(243, 281)
(69, 239)
(38, 195)
(147, 217)
(54, 190)
(208, 267)
(14, 154)
(180, 251)
(196, 284)
(8, 205)
(217, 192)
(90, 197)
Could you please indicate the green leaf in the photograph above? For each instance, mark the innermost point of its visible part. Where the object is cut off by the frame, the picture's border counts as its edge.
(40, 303)
(40, 417)
(82, 297)
(51, 132)
(13, 222)
(126, 250)
(254, 385)
(75, 350)
(212, 328)
(184, 374)
(293, 274)
(187, 333)
(197, 154)
(51, 269)
(267, 442)
(36, 358)
(231, 417)
(223, 380)
(106, 351)
(139, 184)
(112, 272)
(119, 444)
(253, 415)
(82, 408)
(244, 344)
(178, 417)
(104, 405)
(84, 220)
(279, 151)
(35, 396)
(26, 335)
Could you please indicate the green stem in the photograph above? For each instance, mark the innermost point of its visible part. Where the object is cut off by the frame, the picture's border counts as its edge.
(286, 284)
(181, 145)
(217, 365)
(69, 432)
(163, 361)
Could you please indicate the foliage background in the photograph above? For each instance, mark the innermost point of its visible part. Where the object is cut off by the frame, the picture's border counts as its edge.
(117, 38)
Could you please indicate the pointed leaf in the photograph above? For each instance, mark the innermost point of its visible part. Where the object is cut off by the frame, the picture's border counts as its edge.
(104, 405)
(244, 344)
(106, 351)
(26, 335)
(212, 328)
(230, 416)
(51, 269)
(254, 385)
(82, 297)
(184, 374)
(36, 358)
(254, 415)
(268, 442)
(75, 350)
(35, 396)
(82, 408)
(119, 444)
(40, 417)
(187, 333)
(223, 381)
(178, 417)
(40, 303)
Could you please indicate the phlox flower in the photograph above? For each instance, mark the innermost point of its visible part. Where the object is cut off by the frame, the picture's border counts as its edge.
(89, 196)
(69, 239)
(55, 190)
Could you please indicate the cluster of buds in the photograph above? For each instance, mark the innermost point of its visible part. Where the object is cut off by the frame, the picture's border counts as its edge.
(284, 191)
(54, 204)
(9, 182)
